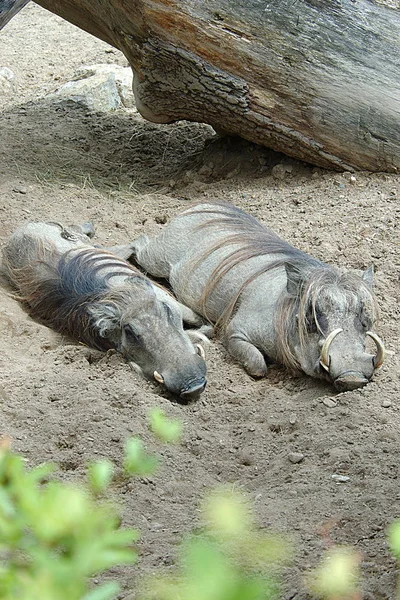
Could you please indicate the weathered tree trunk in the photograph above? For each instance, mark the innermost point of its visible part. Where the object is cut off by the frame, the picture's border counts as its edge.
(316, 79)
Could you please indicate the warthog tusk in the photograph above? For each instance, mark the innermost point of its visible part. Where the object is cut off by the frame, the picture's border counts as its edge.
(200, 351)
(380, 350)
(324, 357)
(158, 377)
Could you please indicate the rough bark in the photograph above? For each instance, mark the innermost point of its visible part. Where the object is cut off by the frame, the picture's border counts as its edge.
(316, 79)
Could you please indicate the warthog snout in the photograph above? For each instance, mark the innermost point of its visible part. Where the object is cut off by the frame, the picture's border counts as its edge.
(348, 371)
(188, 386)
(350, 380)
(194, 390)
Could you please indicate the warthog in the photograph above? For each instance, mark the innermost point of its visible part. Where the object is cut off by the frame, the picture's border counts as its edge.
(268, 299)
(99, 299)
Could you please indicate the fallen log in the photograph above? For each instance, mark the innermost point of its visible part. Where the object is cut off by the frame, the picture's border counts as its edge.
(316, 79)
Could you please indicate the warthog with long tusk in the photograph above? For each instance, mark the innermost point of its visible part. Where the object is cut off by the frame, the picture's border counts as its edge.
(97, 298)
(267, 298)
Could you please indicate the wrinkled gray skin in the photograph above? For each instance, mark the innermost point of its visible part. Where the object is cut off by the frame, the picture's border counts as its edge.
(250, 335)
(146, 326)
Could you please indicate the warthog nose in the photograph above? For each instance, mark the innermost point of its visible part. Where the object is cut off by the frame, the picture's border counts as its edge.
(350, 381)
(194, 390)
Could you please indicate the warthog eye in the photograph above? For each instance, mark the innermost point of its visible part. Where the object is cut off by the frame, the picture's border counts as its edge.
(131, 334)
(317, 323)
(311, 324)
(364, 321)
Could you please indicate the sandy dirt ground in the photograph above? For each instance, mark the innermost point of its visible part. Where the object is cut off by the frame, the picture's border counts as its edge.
(67, 403)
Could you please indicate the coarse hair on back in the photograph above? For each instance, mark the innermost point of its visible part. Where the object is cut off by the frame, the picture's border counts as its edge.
(58, 289)
(250, 239)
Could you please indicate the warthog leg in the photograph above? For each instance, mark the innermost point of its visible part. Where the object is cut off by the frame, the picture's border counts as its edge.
(124, 251)
(206, 330)
(202, 335)
(245, 352)
(189, 316)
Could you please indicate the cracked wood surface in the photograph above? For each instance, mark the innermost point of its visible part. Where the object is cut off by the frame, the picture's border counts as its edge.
(316, 79)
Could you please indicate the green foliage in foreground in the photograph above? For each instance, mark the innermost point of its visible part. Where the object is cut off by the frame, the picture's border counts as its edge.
(53, 536)
(337, 578)
(230, 560)
(394, 542)
(167, 430)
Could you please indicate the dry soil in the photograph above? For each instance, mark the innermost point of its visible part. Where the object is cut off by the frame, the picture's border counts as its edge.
(63, 402)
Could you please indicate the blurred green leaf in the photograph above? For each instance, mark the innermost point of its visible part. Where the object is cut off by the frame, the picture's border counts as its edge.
(100, 475)
(167, 430)
(338, 575)
(105, 592)
(228, 514)
(136, 461)
(215, 565)
(394, 538)
(53, 535)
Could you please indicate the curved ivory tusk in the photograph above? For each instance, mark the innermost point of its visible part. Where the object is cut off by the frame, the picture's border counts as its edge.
(158, 377)
(380, 349)
(200, 351)
(324, 358)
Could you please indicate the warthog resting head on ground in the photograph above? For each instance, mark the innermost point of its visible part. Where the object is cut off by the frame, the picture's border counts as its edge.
(267, 298)
(324, 322)
(150, 334)
(101, 300)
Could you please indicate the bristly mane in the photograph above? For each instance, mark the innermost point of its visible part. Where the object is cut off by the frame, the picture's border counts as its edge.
(60, 294)
(253, 239)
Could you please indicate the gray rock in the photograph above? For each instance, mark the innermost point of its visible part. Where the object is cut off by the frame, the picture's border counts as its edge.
(281, 171)
(97, 93)
(7, 78)
(7, 74)
(340, 478)
(386, 403)
(20, 189)
(329, 403)
(123, 79)
(245, 458)
(296, 457)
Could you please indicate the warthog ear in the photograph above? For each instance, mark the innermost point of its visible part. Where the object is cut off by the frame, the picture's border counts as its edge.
(368, 276)
(106, 317)
(294, 279)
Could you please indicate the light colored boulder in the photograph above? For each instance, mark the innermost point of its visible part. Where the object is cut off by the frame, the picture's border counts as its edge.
(123, 79)
(102, 88)
(98, 93)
